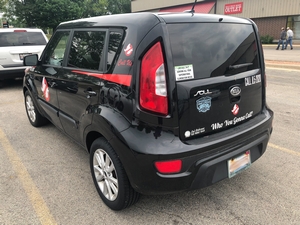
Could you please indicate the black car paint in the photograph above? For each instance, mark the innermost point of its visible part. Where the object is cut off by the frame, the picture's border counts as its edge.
(139, 137)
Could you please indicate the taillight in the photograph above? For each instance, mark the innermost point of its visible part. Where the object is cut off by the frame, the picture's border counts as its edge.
(172, 166)
(20, 31)
(153, 87)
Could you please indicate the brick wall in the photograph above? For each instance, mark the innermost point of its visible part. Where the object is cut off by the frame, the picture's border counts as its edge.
(271, 26)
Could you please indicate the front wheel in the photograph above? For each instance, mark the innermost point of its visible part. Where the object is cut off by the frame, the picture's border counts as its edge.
(110, 177)
(35, 118)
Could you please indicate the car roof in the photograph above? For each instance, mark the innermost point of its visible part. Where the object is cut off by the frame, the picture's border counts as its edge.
(199, 17)
(20, 29)
(116, 20)
(143, 19)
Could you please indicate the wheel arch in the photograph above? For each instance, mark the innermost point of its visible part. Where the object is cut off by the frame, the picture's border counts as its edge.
(29, 86)
(106, 123)
(90, 138)
(110, 125)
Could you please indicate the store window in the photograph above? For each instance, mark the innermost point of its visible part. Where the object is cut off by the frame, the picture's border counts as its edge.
(294, 24)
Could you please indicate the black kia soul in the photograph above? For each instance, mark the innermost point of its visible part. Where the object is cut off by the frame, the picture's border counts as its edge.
(162, 102)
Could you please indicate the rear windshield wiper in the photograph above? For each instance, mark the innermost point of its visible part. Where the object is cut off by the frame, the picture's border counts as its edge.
(234, 67)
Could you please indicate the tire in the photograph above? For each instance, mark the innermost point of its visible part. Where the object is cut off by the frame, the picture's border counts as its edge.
(35, 118)
(110, 177)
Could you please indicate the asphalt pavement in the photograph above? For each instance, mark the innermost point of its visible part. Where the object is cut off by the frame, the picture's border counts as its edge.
(288, 59)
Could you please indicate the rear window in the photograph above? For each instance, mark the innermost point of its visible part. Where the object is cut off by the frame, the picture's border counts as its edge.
(21, 38)
(211, 49)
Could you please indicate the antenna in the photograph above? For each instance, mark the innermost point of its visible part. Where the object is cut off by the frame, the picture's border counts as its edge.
(192, 10)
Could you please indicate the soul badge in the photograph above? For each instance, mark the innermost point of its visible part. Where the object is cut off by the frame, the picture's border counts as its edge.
(203, 104)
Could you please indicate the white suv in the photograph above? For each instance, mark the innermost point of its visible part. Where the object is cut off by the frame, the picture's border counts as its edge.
(15, 43)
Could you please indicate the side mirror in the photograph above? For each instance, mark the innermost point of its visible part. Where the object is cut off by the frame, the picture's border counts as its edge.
(30, 60)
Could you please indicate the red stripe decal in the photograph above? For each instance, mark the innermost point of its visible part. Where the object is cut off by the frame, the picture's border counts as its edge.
(123, 79)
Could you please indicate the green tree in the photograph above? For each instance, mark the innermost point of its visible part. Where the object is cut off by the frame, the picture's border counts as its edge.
(3, 5)
(44, 13)
(105, 7)
(49, 13)
(94, 8)
(119, 6)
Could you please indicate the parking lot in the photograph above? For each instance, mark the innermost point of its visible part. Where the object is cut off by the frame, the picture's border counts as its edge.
(45, 177)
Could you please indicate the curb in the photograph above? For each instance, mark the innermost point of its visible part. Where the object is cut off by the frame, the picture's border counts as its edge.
(282, 64)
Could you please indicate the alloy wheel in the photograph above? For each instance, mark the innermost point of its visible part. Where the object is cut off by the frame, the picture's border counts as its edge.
(30, 108)
(105, 174)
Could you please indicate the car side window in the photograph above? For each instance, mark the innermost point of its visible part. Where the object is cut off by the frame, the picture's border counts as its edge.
(54, 54)
(115, 38)
(86, 49)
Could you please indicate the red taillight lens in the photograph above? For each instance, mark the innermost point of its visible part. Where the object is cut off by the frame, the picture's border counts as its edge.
(173, 166)
(20, 31)
(153, 87)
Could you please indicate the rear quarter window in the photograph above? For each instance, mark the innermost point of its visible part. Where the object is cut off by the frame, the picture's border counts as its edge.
(209, 49)
(115, 38)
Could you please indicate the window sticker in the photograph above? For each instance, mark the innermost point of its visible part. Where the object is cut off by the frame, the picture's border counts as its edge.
(124, 62)
(252, 80)
(203, 104)
(235, 110)
(230, 122)
(128, 50)
(185, 72)
(194, 132)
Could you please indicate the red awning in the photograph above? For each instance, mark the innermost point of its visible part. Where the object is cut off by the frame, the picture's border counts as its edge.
(199, 7)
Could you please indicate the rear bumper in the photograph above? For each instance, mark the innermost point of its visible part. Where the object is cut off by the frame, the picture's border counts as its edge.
(203, 163)
(12, 72)
(212, 170)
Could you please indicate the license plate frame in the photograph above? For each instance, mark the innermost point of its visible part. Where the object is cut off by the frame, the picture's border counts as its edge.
(239, 164)
(22, 55)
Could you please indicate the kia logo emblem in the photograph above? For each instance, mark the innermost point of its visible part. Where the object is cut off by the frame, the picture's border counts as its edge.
(235, 91)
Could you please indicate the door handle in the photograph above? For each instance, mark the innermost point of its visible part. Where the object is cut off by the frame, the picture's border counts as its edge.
(90, 93)
(52, 84)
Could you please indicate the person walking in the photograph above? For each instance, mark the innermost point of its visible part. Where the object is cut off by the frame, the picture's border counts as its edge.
(289, 40)
(282, 39)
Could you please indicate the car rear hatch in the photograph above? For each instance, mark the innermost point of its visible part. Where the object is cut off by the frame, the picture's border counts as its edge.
(18, 43)
(218, 76)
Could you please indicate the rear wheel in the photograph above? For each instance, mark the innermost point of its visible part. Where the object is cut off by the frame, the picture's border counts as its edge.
(110, 177)
(35, 118)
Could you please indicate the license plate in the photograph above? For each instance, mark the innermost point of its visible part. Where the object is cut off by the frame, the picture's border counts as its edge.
(23, 55)
(238, 164)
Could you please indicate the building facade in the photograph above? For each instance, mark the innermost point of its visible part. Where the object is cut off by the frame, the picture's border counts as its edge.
(269, 15)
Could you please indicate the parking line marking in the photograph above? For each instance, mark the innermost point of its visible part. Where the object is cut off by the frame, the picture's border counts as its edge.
(278, 68)
(36, 199)
(284, 149)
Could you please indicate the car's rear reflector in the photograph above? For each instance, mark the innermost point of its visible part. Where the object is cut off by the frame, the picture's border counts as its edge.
(172, 166)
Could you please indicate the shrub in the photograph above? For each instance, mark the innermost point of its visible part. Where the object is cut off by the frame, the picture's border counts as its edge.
(48, 36)
(267, 39)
